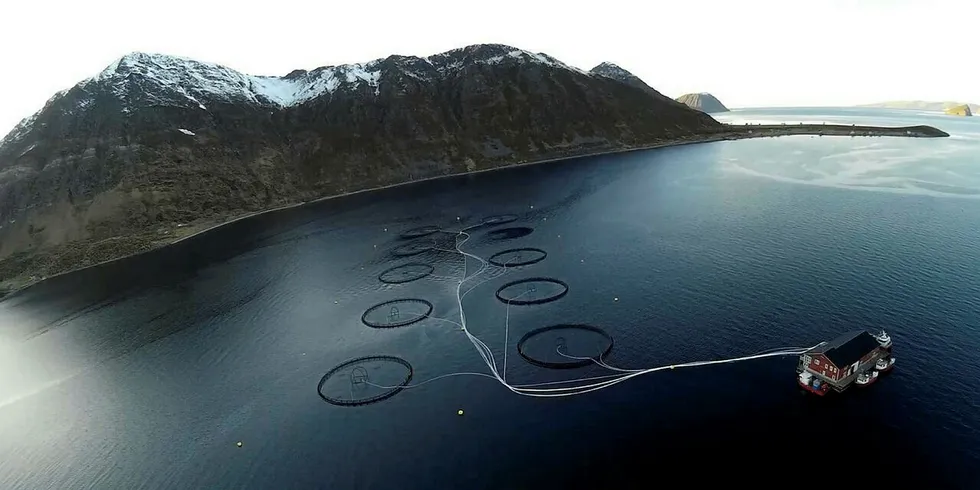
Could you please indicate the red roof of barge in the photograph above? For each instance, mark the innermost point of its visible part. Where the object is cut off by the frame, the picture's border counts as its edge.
(848, 348)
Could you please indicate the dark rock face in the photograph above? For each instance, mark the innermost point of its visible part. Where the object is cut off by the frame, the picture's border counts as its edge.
(704, 102)
(114, 164)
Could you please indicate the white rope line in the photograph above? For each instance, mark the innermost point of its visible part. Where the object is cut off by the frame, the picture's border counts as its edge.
(580, 385)
(597, 361)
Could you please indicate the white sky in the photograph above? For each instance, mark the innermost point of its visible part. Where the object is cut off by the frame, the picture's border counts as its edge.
(749, 53)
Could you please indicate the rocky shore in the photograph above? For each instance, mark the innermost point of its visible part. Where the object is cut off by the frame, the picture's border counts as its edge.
(23, 269)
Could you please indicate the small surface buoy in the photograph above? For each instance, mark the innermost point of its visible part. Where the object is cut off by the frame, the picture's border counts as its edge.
(239, 444)
(336, 302)
(458, 412)
(457, 218)
(615, 299)
(532, 206)
(386, 229)
(583, 261)
(559, 236)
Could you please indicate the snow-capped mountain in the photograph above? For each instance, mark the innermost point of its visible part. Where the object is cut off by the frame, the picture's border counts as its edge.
(194, 80)
(142, 79)
(154, 140)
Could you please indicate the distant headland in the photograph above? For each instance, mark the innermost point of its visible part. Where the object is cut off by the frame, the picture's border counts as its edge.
(959, 110)
(703, 102)
(923, 105)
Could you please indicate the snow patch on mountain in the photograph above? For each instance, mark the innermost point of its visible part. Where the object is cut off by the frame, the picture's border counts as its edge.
(20, 130)
(611, 70)
(29, 148)
(25, 125)
(544, 59)
(492, 54)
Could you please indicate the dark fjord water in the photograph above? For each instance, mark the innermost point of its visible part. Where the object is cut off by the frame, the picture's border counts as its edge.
(146, 372)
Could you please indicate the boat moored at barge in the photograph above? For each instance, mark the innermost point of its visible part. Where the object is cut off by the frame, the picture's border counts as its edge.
(854, 358)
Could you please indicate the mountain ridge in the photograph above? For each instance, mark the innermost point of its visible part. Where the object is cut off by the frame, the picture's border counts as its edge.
(154, 147)
(287, 90)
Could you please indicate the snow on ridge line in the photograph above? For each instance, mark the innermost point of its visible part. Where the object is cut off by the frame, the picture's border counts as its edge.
(25, 125)
(512, 52)
(217, 80)
(191, 78)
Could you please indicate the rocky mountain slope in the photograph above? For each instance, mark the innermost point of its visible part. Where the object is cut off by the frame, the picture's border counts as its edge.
(613, 71)
(921, 105)
(157, 145)
(703, 101)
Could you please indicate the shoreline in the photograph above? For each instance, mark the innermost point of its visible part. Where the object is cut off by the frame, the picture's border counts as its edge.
(727, 133)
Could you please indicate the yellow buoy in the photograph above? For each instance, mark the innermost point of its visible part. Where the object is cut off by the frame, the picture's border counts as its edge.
(459, 412)
(239, 443)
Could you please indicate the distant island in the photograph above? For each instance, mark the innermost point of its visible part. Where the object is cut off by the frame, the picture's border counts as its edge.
(959, 110)
(703, 102)
(157, 148)
(923, 105)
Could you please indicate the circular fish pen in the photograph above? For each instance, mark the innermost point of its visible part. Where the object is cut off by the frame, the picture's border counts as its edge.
(510, 233)
(498, 219)
(565, 346)
(364, 380)
(516, 257)
(532, 291)
(419, 232)
(414, 248)
(406, 273)
(397, 313)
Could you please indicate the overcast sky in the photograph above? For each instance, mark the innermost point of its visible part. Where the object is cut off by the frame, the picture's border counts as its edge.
(749, 53)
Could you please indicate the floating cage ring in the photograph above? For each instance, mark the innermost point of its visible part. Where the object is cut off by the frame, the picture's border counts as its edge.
(531, 288)
(359, 377)
(516, 257)
(510, 233)
(419, 232)
(413, 248)
(499, 219)
(561, 343)
(393, 314)
(401, 274)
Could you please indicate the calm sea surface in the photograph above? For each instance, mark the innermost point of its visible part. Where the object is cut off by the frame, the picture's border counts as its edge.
(146, 373)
